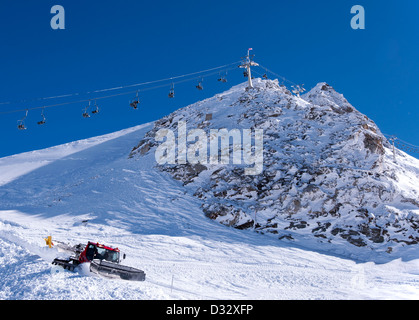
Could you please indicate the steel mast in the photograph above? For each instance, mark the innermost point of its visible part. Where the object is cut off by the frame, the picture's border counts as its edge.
(247, 63)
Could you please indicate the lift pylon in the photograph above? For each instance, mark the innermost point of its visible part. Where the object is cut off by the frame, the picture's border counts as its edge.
(246, 64)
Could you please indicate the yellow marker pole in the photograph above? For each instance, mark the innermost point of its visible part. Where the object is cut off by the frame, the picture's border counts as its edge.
(48, 241)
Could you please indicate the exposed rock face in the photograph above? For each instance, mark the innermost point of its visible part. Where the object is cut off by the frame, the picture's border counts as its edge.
(328, 173)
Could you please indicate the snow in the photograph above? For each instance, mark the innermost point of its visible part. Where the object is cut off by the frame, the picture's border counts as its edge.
(338, 179)
(90, 190)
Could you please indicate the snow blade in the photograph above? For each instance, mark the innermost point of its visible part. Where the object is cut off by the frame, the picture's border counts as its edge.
(68, 264)
(113, 270)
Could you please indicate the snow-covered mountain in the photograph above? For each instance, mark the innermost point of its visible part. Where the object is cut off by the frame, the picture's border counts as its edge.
(328, 172)
(344, 211)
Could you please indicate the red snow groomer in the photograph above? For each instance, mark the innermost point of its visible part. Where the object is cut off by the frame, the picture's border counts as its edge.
(104, 260)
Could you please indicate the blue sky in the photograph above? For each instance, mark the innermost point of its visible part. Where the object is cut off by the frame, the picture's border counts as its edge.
(108, 43)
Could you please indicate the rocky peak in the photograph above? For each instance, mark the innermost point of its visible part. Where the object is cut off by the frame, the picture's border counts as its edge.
(324, 95)
(328, 176)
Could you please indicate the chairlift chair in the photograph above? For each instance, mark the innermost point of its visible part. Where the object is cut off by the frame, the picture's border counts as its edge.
(134, 103)
(265, 74)
(199, 86)
(222, 78)
(43, 118)
(21, 123)
(172, 91)
(96, 110)
(297, 89)
(85, 113)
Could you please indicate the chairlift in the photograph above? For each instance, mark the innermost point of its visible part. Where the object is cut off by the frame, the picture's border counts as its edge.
(172, 91)
(97, 108)
(43, 118)
(199, 86)
(245, 74)
(21, 123)
(134, 103)
(265, 74)
(297, 89)
(222, 78)
(85, 113)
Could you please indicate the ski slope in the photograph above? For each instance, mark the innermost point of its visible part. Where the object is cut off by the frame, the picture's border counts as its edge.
(90, 190)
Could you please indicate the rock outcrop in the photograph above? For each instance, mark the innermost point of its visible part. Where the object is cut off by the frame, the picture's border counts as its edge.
(328, 172)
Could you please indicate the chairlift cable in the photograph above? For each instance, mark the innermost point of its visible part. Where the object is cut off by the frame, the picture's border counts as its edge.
(123, 93)
(118, 87)
(277, 75)
(179, 79)
(401, 144)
